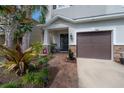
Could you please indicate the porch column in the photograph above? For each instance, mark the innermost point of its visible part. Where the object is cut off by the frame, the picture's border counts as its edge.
(72, 40)
(46, 38)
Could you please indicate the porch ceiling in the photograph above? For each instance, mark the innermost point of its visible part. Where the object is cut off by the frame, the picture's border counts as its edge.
(58, 29)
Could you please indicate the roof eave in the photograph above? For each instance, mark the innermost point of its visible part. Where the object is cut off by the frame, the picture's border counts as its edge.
(83, 20)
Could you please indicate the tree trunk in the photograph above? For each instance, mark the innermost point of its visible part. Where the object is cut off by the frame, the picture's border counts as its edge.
(9, 30)
(25, 41)
(8, 39)
(26, 37)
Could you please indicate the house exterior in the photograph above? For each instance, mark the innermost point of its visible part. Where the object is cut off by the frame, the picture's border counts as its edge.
(90, 31)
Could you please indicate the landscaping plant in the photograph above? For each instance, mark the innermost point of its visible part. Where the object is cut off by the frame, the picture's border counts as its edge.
(10, 85)
(52, 48)
(39, 78)
(70, 54)
(19, 61)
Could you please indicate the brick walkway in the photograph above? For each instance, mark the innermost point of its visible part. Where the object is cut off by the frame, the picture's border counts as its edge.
(66, 76)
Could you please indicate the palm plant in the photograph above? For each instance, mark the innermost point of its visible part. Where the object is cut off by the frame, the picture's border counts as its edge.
(6, 10)
(19, 61)
(19, 58)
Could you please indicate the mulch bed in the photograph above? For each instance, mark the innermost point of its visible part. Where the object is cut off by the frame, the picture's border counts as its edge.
(66, 76)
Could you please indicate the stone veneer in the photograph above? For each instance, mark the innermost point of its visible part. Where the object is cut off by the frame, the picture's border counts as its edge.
(117, 52)
(117, 49)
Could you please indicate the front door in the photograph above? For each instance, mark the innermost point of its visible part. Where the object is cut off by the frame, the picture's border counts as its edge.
(64, 42)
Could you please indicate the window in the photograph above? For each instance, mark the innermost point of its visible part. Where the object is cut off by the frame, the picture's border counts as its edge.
(54, 6)
(60, 6)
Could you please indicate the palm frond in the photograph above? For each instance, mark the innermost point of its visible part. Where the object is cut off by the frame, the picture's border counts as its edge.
(7, 9)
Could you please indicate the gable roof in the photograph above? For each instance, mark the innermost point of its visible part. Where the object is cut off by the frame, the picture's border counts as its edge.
(84, 20)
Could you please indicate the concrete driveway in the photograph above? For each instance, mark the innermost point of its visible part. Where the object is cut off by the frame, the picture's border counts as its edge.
(94, 73)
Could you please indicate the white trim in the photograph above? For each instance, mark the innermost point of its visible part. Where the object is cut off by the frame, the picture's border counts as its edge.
(112, 45)
(64, 6)
(84, 20)
(118, 43)
(112, 28)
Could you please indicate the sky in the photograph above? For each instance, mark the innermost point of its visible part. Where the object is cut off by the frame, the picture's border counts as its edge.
(36, 15)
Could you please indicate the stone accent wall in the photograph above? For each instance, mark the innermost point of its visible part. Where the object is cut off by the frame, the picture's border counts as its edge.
(73, 48)
(117, 52)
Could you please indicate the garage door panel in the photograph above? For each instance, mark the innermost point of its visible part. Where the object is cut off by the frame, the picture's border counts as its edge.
(94, 45)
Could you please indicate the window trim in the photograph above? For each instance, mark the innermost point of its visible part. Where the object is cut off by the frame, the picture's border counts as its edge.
(64, 6)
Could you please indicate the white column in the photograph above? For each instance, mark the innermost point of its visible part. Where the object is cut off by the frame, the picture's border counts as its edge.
(46, 37)
(72, 32)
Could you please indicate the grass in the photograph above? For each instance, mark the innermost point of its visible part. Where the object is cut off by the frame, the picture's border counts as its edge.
(10, 85)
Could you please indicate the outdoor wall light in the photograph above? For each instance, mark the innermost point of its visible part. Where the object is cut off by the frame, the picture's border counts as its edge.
(71, 37)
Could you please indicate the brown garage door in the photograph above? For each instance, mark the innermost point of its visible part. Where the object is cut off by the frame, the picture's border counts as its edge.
(94, 45)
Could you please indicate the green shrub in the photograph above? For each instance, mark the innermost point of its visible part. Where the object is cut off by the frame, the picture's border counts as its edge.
(10, 85)
(35, 78)
(37, 46)
(52, 48)
(32, 67)
(28, 78)
(70, 54)
(43, 60)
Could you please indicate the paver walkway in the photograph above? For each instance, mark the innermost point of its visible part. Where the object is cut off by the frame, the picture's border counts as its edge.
(66, 76)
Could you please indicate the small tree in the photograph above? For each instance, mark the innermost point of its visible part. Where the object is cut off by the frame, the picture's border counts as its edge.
(7, 13)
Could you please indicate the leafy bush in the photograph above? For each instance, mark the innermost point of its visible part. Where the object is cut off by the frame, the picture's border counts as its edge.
(70, 54)
(52, 48)
(43, 60)
(37, 46)
(31, 68)
(36, 78)
(10, 85)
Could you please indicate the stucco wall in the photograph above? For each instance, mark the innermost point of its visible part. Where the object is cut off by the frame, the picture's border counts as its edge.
(117, 26)
(79, 11)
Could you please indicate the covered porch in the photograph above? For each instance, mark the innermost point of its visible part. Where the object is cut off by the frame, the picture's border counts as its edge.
(57, 37)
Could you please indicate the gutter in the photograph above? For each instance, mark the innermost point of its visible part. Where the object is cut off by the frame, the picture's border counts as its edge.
(84, 20)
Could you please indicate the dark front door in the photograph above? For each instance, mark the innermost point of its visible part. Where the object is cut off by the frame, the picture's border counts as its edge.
(64, 42)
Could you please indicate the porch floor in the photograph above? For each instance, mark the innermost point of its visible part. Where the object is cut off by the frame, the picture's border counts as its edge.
(66, 72)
